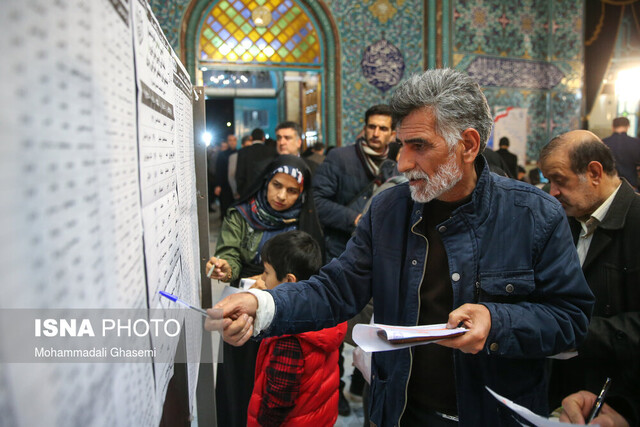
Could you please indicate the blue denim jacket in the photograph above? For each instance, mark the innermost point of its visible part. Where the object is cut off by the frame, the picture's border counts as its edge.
(509, 248)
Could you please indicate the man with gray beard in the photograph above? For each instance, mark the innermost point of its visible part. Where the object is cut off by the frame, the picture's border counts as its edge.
(456, 245)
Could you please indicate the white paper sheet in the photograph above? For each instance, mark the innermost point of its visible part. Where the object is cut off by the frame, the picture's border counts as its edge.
(246, 284)
(70, 196)
(188, 227)
(535, 419)
(70, 201)
(70, 212)
(133, 399)
(367, 337)
(565, 355)
(226, 291)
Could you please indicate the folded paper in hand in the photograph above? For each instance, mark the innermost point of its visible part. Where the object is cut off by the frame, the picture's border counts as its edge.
(531, 418)
(378, 337)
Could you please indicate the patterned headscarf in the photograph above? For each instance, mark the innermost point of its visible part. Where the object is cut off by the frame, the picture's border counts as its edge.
(259, 213)
(291, 171)
(262, 217)
(255, 209)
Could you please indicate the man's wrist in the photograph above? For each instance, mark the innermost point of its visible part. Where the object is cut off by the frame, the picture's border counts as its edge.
(265, 312)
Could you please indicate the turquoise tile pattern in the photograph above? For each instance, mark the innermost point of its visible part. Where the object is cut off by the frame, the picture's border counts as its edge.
(169, 14)
(515, 39)
(359, 28)
(531, 52)
(361, 23)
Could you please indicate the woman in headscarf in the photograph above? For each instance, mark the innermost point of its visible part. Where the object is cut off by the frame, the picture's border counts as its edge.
(280, 201)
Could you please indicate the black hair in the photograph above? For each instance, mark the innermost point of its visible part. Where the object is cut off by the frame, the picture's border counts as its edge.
(587, 150)
(290, 125)
(504, 142)
(621, 122)
(380, 110)
(293, 252)
(257, 134)
(534, 176)
(394, 149)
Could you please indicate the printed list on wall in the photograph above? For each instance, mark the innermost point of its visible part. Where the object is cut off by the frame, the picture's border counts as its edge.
(97, 196)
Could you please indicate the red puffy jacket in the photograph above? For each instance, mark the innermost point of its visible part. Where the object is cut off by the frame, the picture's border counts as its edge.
(317, 403)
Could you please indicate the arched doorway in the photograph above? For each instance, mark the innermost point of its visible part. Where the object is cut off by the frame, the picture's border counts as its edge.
(249, 53)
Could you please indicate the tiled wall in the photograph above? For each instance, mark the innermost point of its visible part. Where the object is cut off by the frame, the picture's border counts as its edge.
(525, 53)
(361, 23)
(169, 14)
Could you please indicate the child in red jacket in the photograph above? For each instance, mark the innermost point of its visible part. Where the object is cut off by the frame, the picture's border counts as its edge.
(297, 377)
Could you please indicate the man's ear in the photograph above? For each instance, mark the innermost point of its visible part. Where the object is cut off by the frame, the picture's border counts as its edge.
(290, 278)
(471, 145)
(594, 172)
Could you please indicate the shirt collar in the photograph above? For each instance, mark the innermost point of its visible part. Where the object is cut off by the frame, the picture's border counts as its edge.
(602, 210)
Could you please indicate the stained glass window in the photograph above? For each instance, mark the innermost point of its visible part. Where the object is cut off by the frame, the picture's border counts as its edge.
(229, 34)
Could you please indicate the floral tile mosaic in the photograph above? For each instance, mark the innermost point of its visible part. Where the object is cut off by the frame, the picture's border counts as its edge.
(361, 24)
(564, 113)
(536, 46)
(169, 14)
(522, 29)
(525, 53)
(515, 73)
(566, 30)
(573, 74)
(550, 113)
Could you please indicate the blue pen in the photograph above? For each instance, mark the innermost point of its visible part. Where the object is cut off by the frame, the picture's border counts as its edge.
(179, 301)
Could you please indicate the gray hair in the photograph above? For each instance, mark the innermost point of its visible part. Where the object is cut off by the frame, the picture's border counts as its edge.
(454, 98)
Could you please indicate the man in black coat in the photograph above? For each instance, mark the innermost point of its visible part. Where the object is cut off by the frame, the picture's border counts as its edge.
(625, 149)
(223, 189)
(510, 159)
(252, 160)
(604, 214)
(496, 163)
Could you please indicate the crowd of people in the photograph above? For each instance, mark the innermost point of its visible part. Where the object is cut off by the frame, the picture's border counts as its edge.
(419, 223)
